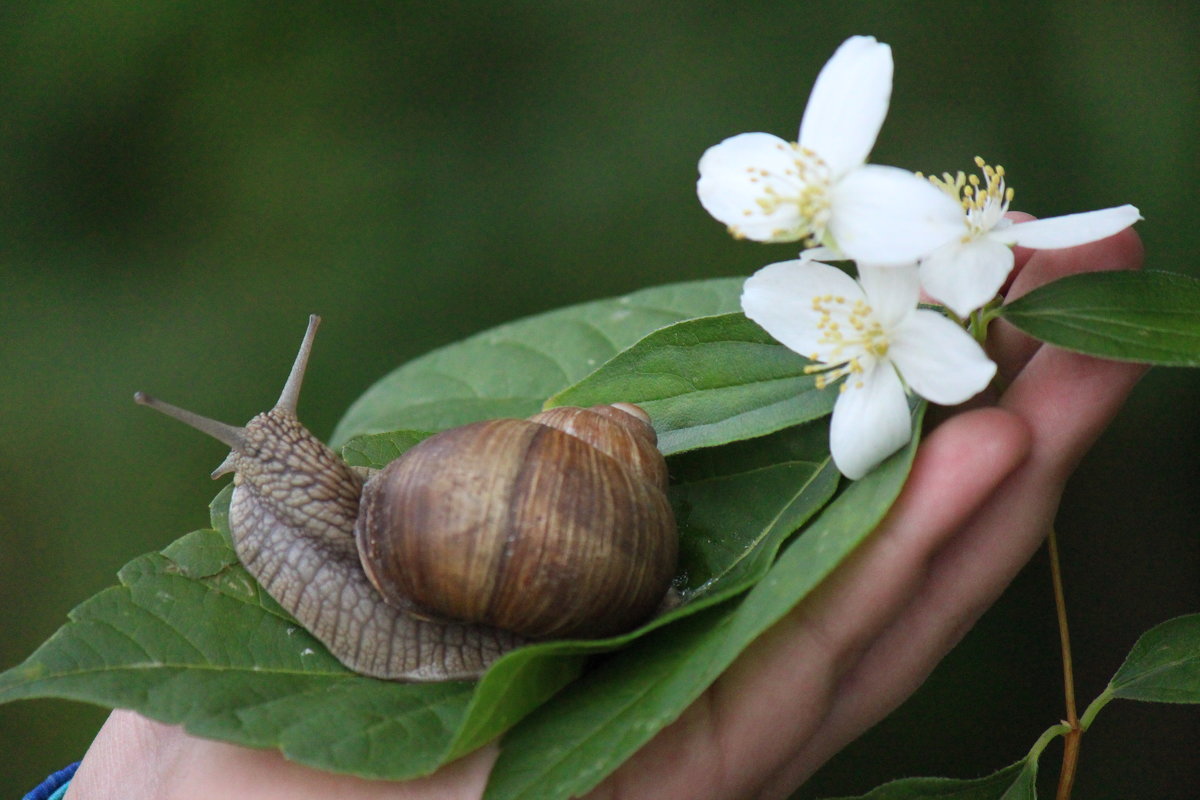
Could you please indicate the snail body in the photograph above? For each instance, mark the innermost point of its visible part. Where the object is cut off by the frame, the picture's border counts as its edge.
(473, 542)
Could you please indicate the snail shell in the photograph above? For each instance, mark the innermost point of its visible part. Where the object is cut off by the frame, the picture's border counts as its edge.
(553, 526)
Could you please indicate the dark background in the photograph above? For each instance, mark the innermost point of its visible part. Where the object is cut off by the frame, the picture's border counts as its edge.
(182, 183)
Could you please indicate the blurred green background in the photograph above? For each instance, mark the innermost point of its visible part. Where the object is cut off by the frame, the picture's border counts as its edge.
(182, 183)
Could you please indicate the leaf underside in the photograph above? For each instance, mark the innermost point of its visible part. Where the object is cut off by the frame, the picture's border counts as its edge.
(1149, 317)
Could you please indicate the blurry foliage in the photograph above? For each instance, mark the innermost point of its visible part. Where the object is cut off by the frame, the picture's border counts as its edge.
(182, 183)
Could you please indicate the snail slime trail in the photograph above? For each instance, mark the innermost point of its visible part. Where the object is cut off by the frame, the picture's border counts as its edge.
(474, 542)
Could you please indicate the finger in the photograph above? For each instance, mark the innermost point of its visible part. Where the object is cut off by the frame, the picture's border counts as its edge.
(975, 567)
(957, 468)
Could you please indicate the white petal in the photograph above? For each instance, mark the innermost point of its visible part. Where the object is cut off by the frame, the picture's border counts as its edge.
(888, 216)
(870, 421)
(779, 297)
(938, 359)
(1069, 230)
(848, 103)
(892, 292)
(965, 277)
(739, 172)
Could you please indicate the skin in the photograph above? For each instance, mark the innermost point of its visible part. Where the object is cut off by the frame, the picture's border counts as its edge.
(981, 497)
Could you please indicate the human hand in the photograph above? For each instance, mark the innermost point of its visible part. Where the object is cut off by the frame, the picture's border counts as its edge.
(981, 496)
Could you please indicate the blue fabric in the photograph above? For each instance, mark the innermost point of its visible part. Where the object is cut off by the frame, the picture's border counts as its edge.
(55, 786)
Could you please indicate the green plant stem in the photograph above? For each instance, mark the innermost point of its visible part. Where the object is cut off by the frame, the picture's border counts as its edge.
(1050, 734)
(1093, 709)
(1071, 741)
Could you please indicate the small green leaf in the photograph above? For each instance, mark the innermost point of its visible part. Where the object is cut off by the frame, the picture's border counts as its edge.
(706, 382)
(567, 747)
(1164, 664)
(509, 371)
(1149, 317)
(1014, 782)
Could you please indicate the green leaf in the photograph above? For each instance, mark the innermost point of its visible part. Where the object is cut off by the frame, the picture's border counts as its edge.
(1164, 664)
(1150, 317)
(706, 382)
(567, 747)
(1014, 782)
(191, 639)
(509, 371)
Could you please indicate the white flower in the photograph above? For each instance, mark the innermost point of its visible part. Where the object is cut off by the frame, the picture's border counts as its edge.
(819, 190)
(966, 273)
(872, 332)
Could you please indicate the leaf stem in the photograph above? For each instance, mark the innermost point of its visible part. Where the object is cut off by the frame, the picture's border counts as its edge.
(1071, 741)
(981, 319)
(1089, 713)
(1049, 735)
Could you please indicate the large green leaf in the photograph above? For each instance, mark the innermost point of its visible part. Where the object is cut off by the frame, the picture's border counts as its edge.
(1164, 664)
(707, 382)
(565, 748)
(509, 371)
(188, 637)
(1150, 317)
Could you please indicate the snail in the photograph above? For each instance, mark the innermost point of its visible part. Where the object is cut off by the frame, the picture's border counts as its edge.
(477, 540)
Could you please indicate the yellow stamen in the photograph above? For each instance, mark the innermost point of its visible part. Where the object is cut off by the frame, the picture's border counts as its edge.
(984, 200)
(849, 332)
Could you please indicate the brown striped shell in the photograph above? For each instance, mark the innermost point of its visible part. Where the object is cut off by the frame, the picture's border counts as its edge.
(554, 526)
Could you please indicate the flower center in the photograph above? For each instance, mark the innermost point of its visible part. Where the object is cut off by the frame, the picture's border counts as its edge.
(985, 202)
(803, 184)
(851, 339)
